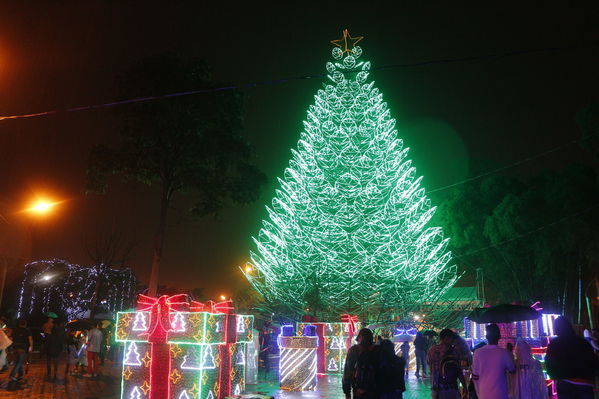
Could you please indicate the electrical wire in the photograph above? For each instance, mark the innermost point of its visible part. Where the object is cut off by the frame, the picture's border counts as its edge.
(290, 79)
(536, 230)
(517, 163)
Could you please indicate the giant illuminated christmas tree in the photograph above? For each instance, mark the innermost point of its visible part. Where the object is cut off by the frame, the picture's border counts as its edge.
(347, 230)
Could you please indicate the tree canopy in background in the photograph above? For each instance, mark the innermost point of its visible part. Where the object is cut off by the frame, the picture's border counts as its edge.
(191, 145)
(529, 236)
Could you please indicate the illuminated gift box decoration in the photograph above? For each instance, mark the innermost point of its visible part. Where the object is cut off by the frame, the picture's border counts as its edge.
(252, 358)
(536, 332)
(180, 349)
(334, 341)
(297, 363)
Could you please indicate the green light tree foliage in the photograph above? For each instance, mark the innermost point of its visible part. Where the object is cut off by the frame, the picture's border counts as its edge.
(347, 230)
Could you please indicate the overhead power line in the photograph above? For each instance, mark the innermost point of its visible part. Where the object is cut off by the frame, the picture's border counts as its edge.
(533, 231)
(513, 165)
(294, 78)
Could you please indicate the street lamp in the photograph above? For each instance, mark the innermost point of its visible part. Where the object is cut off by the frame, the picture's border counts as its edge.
(39, 208)
(42, 207)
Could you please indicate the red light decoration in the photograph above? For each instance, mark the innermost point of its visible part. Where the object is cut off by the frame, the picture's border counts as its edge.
(187, 349)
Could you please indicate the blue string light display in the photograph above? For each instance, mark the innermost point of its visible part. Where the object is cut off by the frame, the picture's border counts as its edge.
(61, 287)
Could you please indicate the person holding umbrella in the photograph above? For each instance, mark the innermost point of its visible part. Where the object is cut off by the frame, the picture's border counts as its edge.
(54, 344)
(72, 353)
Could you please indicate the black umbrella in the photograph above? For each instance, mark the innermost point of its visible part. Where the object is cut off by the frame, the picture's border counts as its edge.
(79, 325)
(505, 313)
(476, 314)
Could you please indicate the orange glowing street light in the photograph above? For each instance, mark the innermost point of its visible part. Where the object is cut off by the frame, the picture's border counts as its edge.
(42, 207)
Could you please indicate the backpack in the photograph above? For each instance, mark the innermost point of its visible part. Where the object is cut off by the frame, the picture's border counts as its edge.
(391, 374)
(364, 375)
(449, 370)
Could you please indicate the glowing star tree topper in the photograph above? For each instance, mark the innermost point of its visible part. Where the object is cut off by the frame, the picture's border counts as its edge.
(347, 231)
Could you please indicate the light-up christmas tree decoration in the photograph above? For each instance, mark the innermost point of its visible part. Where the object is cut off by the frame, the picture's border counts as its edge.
(135, 393)
(178, 324)
(336, 344)
(132, 356)
(240, 358)
(240, 325)
(347, 230)
(191, 361)
(140, 324)
(333, 365)
(208, 362)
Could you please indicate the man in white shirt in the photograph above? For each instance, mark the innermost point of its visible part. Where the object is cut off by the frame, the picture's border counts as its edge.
(94, 343)
(490, 365)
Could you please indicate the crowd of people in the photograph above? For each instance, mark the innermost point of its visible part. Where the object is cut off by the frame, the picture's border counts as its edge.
(83, 349)
(487, 371)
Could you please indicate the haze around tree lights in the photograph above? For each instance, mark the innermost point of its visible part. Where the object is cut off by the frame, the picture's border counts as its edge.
(347, 229)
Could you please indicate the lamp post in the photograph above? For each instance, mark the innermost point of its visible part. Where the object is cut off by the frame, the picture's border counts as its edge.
(39, 208)
(586, 297)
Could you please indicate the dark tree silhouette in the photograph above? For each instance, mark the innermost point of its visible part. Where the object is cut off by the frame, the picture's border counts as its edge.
(189, 144)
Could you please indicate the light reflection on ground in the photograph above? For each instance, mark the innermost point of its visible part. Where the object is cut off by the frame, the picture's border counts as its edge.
(329, 387)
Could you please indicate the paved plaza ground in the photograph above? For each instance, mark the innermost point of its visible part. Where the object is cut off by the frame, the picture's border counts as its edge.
(106, 386)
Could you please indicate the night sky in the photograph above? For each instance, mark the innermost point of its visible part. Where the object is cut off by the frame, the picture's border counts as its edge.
(455, 116)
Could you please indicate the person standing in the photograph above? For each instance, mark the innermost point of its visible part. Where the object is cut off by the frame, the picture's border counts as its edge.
(463, 351)
(359, 372)
(405, 352)
(420, 347)
(490, 365)
(390, 374)
(72, 353)
(5, 342)
(103, 345)
(54, 346)
(571, 362)
(22, 344)
(528, 382)
(444, 364)
(94, 345)
(47, 328)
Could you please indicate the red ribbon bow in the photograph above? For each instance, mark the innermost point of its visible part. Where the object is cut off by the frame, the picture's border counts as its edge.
(160, 310)
(225, 307)
(352, 320)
